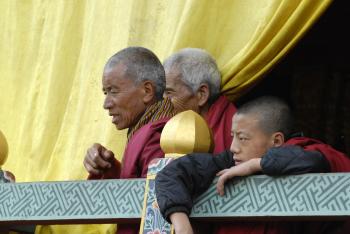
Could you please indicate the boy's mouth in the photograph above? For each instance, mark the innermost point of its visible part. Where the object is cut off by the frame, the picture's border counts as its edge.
(237, 161)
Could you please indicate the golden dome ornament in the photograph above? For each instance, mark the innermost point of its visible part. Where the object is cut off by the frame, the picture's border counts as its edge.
(5, 176)
(3, 149)
(186, 132)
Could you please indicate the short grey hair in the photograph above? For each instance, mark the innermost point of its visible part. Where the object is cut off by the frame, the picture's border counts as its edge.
(141, 65)
(196, 66)
(274, 115)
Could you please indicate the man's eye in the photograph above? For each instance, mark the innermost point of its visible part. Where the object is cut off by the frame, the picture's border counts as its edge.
(242, 139)
(113, 91)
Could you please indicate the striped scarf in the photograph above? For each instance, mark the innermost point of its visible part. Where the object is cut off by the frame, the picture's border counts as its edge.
(156, 111)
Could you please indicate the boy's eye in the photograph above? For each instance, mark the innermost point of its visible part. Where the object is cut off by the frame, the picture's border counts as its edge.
(243, 139)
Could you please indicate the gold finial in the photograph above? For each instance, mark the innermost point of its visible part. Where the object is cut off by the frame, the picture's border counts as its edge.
(187, 132)
(3, 149)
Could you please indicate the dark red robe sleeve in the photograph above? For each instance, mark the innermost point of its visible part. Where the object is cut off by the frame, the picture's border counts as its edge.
(338, 161)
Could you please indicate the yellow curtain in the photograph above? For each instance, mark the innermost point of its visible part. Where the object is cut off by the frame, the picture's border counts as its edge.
(53, 52)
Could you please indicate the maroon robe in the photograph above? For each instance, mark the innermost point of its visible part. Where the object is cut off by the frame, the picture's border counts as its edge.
(219, 119)
(141, 149)
(338, 161)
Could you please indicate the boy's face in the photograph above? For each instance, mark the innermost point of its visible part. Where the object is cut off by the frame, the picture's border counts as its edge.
(249, 141)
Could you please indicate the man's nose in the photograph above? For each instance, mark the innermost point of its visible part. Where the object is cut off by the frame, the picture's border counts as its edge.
(107, 104)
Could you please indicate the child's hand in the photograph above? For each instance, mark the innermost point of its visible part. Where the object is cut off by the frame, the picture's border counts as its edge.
(225, 175)
(244, 169)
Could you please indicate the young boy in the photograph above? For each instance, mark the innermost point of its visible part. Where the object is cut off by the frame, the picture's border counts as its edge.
(260, 131)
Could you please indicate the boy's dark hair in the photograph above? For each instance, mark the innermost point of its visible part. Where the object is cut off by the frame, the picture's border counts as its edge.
(274, 114)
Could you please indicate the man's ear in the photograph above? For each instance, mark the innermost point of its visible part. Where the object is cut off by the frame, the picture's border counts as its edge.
(149, 91)
(203, 93)
(278, 139)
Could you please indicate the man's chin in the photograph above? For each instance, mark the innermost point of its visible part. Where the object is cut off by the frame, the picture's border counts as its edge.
(120, 127)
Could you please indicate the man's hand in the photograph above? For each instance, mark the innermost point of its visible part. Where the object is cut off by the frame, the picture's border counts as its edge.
(98, 159)
(249, 167)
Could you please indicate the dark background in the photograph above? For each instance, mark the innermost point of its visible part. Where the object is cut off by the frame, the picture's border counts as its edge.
(314, 78)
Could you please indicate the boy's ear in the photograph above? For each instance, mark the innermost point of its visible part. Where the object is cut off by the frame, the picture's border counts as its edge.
(278, 139)
(203, 93)
(148, 90)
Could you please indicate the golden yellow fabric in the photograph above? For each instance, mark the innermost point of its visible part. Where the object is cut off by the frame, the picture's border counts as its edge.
(53, 52)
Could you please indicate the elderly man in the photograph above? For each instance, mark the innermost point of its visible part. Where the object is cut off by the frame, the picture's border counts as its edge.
(133, 83)
(193, 83)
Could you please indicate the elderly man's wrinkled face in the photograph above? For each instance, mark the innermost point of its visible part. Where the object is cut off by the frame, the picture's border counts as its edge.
(124, 98)
(249, 141)
(179, 93)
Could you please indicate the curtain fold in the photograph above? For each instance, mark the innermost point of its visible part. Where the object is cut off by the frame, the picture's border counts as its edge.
(275, 35)
(53, 53)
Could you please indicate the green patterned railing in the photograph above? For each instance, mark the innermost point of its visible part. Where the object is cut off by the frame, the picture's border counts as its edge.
(103, 201)
(299, 196)
(108, 201)
(305, 197)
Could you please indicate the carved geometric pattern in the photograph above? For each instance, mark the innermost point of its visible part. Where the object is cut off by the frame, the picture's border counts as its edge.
(72, 200)
(301, 195)
(103, 201)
